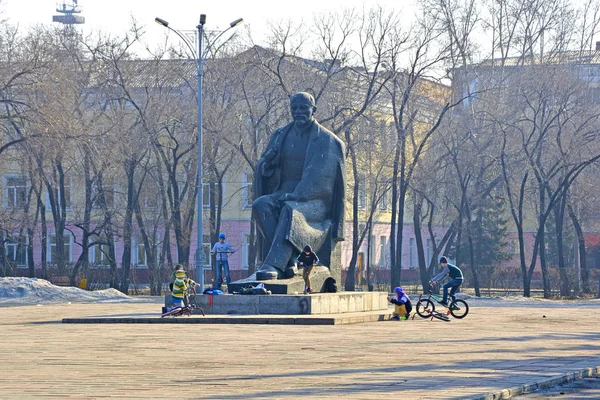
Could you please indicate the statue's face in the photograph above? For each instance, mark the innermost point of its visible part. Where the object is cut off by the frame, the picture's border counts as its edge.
(302, 110)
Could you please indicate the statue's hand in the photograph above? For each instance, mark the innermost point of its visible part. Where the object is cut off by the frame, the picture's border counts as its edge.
(288, 197)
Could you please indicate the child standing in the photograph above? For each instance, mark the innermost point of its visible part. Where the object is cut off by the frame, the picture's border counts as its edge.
(222, 249)
(308, 259)
(402, 304)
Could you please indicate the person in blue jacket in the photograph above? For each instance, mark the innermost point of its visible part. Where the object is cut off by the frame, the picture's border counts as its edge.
(402, 304)
(456, 279)
(222, 249)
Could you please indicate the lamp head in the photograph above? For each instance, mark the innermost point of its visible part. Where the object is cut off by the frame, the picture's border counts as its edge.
(236, 22)
(202, 19)
(162, 22)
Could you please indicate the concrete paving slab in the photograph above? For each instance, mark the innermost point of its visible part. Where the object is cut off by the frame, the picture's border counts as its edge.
(486, 355)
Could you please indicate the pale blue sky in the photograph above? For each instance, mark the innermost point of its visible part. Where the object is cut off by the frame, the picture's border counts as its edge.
(114, 15)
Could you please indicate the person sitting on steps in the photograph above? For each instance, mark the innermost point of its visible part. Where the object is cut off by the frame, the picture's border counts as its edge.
(402, 304)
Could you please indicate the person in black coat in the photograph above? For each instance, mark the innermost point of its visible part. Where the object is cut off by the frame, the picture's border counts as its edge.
(308, 260)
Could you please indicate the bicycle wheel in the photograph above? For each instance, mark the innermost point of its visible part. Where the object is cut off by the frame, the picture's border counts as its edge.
(425, 308)
(441, 316)
(459, 308)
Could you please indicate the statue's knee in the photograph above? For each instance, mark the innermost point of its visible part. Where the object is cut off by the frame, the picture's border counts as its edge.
(260, 205)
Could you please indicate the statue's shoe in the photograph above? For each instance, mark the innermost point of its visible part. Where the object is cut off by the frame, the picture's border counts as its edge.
(267, 272)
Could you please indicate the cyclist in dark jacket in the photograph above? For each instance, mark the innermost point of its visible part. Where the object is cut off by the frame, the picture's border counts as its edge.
(456, 279)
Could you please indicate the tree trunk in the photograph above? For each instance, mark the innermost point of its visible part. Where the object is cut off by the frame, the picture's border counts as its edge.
(44, 244)
(127, 229)
(474, 269)
(559, 212)
(350, 283)
(252, 248)
(417, 209)
(585, 277)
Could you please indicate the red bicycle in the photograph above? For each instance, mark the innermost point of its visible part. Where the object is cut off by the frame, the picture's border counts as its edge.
(188, 308)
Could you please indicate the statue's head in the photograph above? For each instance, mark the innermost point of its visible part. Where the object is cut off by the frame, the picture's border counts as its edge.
(303, 108)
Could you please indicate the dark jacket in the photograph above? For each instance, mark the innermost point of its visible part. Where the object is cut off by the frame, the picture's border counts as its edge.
(308, 260)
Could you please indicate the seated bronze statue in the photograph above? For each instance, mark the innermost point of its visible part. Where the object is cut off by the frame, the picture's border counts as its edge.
(299, 191)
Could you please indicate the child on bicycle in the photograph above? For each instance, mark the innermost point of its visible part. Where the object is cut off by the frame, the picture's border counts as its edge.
(456, 279)
(181, 284)
(402, 304)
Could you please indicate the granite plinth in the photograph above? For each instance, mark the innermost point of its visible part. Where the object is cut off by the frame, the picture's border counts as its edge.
(293, 285)
(319, 303)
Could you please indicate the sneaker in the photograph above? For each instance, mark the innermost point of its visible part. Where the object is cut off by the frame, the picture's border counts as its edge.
(395, 318)
(444, 303)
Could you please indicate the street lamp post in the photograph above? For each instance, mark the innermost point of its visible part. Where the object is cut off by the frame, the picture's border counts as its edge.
(200, 258)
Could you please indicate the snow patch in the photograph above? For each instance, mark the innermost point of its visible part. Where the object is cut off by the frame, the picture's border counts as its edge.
(28, 291)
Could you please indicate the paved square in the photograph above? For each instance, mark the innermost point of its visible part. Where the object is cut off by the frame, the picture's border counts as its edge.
(499, 345)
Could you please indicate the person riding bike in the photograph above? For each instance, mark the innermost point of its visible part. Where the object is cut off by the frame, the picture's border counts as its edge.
(456, 279)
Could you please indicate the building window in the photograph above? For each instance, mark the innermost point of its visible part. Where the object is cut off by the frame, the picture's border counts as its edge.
(513, 246)
(247, 189)
(109, 192)
(16, 251)
(15, 191)
(139, 253)
(384, 202)
(206, 195)
(413, 253)
(246, 251)
(206, 247)
(99, 255)
(382, 251)
(52, 248)
(362, 195)
(429, 250)
(68, 195)
(150, 195)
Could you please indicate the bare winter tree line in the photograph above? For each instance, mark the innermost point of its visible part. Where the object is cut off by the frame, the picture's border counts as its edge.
(442, 128)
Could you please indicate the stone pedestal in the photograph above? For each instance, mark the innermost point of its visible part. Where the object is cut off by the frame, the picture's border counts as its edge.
(295, 285)
(321, 303)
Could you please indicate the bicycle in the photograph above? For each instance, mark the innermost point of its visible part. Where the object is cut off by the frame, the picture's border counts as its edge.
(188, 308)
(426, 307)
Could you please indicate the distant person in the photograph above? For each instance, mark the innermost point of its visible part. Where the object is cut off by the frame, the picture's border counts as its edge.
(308, 260)
(181, 284)
(456, 279)
(222, 249)
(402, 304)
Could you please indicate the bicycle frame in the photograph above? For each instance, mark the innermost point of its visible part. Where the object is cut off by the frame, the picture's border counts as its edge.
(434, 297)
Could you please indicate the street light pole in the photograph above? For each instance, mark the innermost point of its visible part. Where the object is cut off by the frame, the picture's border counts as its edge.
(200, 258)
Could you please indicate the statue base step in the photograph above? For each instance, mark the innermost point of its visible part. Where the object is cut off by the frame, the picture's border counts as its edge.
(293, 285)
(309, 304)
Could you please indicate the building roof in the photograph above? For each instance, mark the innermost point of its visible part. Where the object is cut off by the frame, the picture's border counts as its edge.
(557, 58)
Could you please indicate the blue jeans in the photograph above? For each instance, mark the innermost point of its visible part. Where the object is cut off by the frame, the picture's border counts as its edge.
(225, 265)
(454, 284)
(176, 302)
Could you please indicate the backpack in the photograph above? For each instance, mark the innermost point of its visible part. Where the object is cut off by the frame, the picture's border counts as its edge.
(330, 285)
